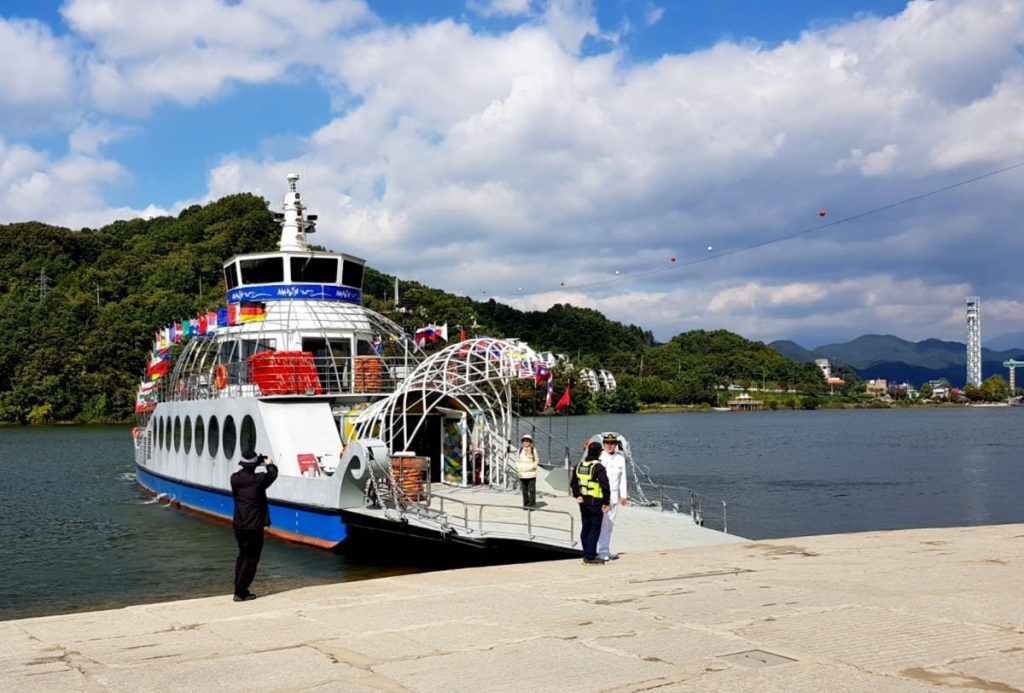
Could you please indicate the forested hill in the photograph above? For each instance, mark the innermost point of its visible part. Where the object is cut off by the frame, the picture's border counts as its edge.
(78, 310)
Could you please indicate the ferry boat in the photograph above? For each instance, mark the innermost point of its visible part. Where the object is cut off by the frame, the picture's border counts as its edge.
(370, 436)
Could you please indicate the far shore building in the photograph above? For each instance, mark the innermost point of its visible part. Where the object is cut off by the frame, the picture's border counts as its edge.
(589, 378)
(607, 381)
(877, 388)
(825, 366)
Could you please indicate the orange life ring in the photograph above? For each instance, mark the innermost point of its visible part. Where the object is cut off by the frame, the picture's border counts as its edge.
(220, 376)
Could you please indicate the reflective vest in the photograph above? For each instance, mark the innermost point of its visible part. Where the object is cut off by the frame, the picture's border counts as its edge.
(589, 485)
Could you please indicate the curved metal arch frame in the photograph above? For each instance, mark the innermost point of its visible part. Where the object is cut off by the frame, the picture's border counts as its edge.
(477, 373)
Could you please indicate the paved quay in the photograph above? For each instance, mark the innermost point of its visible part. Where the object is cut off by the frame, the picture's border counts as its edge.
(917, 610)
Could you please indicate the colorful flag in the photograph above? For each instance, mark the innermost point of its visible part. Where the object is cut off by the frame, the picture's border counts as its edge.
(430, 333)
(158, 369)
(232, 314)
(551, 389)
(540, 373)
(222, 316)
(211, 322)
(251, 311)
(179, 332)
(462, 333)
(564, 401)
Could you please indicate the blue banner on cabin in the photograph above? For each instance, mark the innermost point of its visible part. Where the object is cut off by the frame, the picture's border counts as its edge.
(307, 292)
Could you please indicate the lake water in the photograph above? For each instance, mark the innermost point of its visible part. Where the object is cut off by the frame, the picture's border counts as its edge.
(77, 533)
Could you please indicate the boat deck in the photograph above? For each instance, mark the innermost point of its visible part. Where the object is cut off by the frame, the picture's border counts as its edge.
(483, 514)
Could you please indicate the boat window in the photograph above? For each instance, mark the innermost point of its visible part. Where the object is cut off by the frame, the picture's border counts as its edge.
(263, 270)
(231, 276)
(200, 435)
(227, 352)
(247, 435)
(160, 432)
(177, 433)
(318, 270)
(230, 437)
(352, 274)
(187, 433)
(167, 433)
(365, 348)
(251, 347)
(213, 437)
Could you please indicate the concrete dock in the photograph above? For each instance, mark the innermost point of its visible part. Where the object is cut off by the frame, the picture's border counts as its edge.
(916, 610)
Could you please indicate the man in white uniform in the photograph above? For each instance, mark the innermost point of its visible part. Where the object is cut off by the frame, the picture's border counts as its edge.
(615, 464)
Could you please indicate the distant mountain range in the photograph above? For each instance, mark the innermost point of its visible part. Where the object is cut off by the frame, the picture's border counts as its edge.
(895, 359)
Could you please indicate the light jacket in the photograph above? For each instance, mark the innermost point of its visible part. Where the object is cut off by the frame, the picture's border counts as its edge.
(526, 463)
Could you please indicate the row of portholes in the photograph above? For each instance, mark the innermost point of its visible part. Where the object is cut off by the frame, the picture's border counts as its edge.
(183, 435)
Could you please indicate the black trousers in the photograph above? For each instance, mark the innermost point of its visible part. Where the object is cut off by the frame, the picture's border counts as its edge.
(529, 489)
(250, 546)
(591, 517)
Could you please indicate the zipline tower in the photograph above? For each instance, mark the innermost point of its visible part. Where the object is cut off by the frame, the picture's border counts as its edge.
(974, 341)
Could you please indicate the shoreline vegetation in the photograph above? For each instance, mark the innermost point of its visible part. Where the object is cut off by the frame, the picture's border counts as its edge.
(824, 404)
(78, 310)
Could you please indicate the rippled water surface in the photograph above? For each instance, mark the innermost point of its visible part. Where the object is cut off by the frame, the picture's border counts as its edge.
(77, 533)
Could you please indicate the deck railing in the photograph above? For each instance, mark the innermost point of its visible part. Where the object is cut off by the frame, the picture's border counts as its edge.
(293, 374)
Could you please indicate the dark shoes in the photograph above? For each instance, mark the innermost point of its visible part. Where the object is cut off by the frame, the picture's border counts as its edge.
(247, 598)
(592, 561)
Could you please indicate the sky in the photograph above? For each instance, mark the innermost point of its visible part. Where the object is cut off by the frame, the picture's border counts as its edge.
(562, 151)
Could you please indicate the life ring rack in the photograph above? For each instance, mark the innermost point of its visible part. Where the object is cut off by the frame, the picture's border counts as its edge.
(220, 377)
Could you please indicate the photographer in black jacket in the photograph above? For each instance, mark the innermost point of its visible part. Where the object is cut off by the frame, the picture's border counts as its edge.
(252, 514)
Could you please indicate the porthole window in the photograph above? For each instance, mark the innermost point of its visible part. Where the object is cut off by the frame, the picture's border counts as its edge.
(177, 433)
(247, 436)
(164, 438)
(159, 426)
(213, 437)
(187, 433)
(200, 435)
(230, 437)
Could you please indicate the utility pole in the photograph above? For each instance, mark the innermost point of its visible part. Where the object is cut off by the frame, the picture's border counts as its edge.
(641, 366)
(44, 284)
(97, 295)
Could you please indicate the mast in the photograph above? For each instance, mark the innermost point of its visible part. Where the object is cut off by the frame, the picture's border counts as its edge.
(295, 224)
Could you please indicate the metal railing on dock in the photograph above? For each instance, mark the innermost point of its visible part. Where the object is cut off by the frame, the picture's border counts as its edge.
(680, 499)
(475, 512)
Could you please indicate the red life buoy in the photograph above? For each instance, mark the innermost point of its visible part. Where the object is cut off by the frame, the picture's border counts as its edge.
(221, 376)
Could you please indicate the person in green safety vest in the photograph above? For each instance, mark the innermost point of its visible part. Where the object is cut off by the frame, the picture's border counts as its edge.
(589, 486)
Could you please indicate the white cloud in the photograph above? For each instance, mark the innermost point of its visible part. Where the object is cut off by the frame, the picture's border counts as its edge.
(500, 8)
(67, 191)
(189, 50)
(653, 14)
(36, 76)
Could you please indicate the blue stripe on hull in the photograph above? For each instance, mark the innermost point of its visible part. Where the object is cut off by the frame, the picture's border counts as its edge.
(291, 522)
